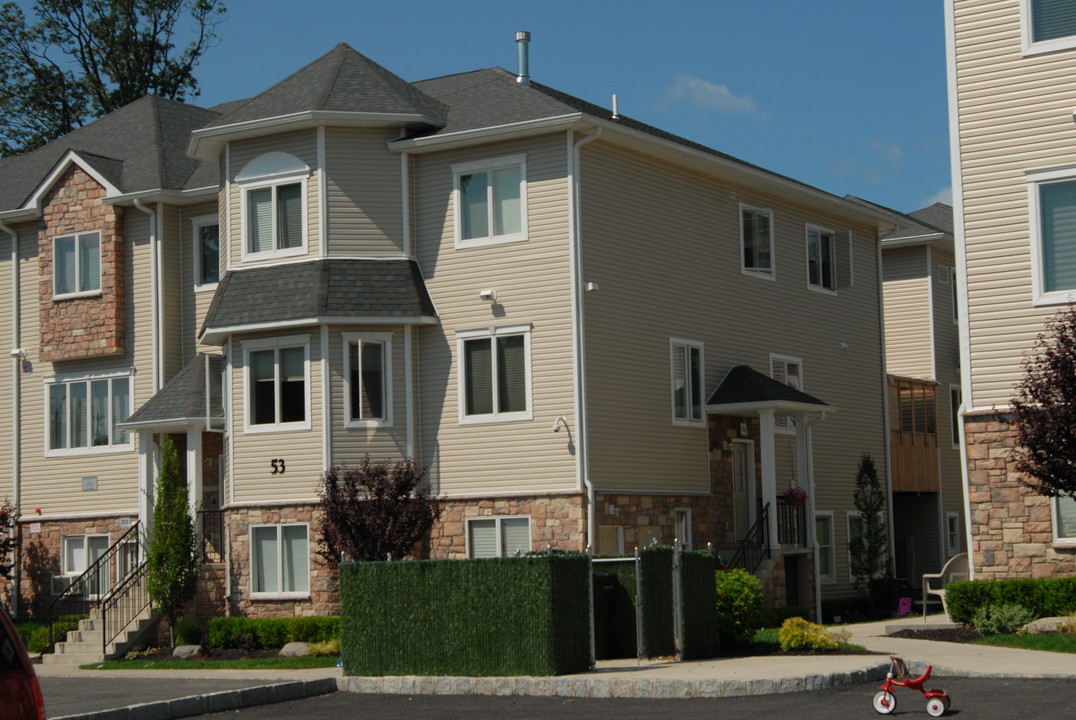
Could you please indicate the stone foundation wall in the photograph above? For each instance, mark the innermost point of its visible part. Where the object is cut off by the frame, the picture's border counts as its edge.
(557, 521)
(1011, 527)
(646, 518)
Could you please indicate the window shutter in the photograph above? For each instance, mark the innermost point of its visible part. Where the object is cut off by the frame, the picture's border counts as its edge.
(483, 538)
(1058, 207)
(478, 379)
(515, 536)
(260, 218)
(845, 267)
(511, 374)
(289, 212)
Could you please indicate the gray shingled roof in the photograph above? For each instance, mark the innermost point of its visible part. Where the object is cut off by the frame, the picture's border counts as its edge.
(183, 398)
(938, 215)
(141, 146)
(934, 220)
(743, 385)
(342, 80)
(320, 289)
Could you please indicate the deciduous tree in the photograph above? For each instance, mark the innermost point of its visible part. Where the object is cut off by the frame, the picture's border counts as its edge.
(1044, 410)
(374, 511)
(71, 61)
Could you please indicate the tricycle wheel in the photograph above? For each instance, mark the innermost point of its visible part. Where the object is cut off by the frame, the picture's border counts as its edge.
(885, 702)
(935, 707)
(946, 703)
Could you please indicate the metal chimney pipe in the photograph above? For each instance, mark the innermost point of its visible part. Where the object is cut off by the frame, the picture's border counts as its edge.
(523, 39)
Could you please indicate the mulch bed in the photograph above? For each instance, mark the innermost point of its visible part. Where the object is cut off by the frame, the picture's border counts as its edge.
(961, 634)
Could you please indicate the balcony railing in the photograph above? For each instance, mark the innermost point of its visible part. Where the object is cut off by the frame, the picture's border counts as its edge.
(791, 523)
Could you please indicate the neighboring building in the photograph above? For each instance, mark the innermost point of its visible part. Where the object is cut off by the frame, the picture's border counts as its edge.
(1012, 77)
(923, 359)
(589, 330)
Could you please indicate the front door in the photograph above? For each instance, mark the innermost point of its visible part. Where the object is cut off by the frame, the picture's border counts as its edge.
(743, 485)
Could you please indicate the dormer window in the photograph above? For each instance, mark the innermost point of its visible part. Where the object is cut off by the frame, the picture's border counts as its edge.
(273, 189)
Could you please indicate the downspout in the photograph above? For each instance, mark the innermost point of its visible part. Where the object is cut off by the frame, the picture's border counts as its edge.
(155, 310)
(578, 348)
(16, 400)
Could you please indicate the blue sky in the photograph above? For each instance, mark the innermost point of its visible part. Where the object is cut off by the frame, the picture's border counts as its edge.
(847, 95)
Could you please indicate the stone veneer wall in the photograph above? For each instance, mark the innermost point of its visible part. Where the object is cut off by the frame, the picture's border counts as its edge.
(556, 520)
(1011, 527)
(81, 327)
(324, 596)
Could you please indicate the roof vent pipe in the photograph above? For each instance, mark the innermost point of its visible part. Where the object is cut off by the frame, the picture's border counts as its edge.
(523, 39)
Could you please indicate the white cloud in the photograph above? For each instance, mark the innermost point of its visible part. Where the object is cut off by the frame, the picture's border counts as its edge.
(708, 96)
(889, 151)
(945, 195)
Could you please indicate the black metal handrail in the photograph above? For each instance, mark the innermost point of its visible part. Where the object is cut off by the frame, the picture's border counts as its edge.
(755, 547)
(93, 585)
(211, 531)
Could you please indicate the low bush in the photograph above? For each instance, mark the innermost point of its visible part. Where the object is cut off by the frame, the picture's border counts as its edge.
(189, 633)
(39, 640)
(254, 633)
(739, 606)
(1042, 597)
(799, 634)
(1000, 619)
(329, 648)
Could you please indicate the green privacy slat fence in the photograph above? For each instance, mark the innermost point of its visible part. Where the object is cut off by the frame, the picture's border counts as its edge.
(503, 616)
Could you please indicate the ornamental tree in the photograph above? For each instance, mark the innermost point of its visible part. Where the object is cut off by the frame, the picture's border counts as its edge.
(867, 548)
(1044, 410)
(374, 511)
(8, 543)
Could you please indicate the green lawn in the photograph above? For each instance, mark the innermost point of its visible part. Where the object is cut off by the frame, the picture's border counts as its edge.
(275, 663)
(1051, 642)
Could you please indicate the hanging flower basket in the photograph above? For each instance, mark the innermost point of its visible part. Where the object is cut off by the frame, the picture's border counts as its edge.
(795, 496)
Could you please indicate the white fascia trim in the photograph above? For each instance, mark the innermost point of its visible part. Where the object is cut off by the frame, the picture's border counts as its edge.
(20, 214)
(212, 335)
(26, 519)
(464, 137)
(206, 143)
(274, 503)
(740, 408)
(177, 422)
(71, 157)
(913, 240)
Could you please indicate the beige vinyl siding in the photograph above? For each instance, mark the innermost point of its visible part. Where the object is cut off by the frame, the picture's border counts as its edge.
(1006, 129)
(252, 453)
(906, 284)
(54, 484)
(364, 209)
(533, 284)
(664, 246)
(8, 369)
(300, 143)
(172, 286)
(947, 362)
(195, 303)
(351, 444)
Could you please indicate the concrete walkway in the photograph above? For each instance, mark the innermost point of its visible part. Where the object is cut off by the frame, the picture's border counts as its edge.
(134, 694)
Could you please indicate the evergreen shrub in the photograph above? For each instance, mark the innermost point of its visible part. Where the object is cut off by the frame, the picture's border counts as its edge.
(739, 606)
(1041, 597)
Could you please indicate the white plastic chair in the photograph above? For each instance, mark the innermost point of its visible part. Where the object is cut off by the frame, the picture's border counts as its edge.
(955, 568)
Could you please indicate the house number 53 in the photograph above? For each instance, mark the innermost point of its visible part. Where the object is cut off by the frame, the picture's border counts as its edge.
(278, 466)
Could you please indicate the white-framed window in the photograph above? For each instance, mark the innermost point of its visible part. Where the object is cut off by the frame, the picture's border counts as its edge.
(76, 264)
(498, 536)
(368, 379)
(495, 374)
(610, 540)
(206, 251)
(1064, 512)
(280, 560)
(756, 241)
(821, 258)
(955, 398)
(273, 205)
(952, 533)
(788, 370)
(490, 201)
(1052, 214)
(1047, 25)
(79, 552)
(823, 530)
(682, 526)
(277, 383)
(686, 375)
(84, 414)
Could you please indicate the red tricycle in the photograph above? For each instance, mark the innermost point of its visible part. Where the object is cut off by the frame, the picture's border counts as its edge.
(885, 702)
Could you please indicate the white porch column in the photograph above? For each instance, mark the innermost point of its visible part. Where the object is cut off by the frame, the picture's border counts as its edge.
(194, 470)
(769, 470)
